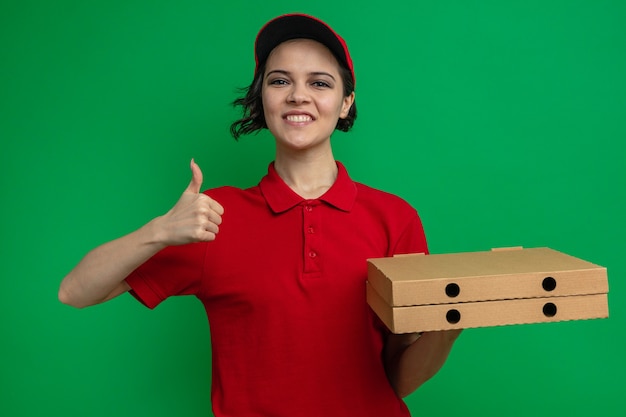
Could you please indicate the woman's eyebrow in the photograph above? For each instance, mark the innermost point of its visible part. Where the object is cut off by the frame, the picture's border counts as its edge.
(284, 72)
(323, 73)
(279, 71)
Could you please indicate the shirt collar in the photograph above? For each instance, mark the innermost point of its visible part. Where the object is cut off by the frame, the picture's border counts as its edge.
(280, 197)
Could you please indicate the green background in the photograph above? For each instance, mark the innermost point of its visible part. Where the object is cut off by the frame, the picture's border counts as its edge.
(502, 122)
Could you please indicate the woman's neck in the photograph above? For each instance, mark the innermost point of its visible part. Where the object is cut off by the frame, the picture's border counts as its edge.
(309, 176)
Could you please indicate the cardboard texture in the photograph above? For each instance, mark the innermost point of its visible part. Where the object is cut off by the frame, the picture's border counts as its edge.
(415, 293)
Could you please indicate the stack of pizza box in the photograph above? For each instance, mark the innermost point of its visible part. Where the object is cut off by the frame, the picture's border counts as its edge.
(417, 293)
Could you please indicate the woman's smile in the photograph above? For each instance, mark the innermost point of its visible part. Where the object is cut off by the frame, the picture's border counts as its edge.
(298, 118)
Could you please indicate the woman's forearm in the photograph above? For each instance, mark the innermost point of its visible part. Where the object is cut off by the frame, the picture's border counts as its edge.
(104, 268)
(416, 363)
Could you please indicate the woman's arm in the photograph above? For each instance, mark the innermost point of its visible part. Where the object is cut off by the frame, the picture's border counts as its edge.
(412, 359)
(100, 275)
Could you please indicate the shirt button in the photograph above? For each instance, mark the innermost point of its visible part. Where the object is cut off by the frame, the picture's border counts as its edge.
(308, 208)
(312, 254)
(310, 230)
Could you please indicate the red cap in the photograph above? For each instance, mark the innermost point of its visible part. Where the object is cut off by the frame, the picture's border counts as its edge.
(295, 26)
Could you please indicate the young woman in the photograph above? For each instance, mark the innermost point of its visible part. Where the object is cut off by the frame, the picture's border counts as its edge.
(281, 267)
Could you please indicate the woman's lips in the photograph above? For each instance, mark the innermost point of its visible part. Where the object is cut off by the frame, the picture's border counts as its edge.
(298, 117)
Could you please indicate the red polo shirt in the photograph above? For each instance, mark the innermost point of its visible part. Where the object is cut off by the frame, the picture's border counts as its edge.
(283, 286)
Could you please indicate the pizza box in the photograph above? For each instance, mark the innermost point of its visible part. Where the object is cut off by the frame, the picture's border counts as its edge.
(414, 293)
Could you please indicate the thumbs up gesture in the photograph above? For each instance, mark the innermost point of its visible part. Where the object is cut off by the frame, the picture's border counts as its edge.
(195, 217)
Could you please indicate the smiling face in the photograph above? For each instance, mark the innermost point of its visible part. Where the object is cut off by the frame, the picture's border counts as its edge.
(303, 94)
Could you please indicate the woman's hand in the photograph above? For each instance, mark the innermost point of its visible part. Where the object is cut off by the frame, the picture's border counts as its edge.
(195, 217)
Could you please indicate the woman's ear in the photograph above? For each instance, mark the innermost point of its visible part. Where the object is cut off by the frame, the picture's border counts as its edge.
(345, 107)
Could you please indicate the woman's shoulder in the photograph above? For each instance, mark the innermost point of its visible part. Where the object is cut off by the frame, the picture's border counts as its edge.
(232, 193)
(374, 196)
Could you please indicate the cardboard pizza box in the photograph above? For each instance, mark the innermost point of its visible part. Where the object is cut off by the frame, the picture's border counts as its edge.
(413, 293)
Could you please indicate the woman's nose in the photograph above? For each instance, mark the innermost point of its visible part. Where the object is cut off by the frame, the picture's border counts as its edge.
(298, 94)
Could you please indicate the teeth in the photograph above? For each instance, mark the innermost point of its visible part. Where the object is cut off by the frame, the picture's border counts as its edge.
(299, 118)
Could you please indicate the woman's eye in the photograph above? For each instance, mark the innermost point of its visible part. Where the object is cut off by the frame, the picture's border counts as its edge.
(323, 84)
(278, 81)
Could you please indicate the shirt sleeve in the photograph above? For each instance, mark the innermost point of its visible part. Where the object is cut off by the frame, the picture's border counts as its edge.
(412, 239)
(175, 270)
